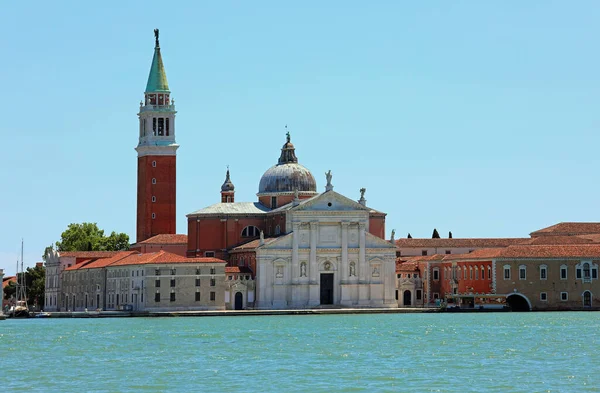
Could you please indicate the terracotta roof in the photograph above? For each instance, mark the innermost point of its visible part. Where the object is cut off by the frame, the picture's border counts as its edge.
(238, 269)
(166, 239)
(103, 262)
(548, 240)
(87, 254)
(407, 267)
(161, 257)
(7, 280)
(80, 264)
(459, 243)
(569, 228)
(552, 251)
(252, 244)
(425, 258)
(482, 253)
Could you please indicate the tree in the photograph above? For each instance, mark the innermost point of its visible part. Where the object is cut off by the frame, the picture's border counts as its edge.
(88, 237)
(46, 251)
(35, 279)
(450, 235)
(409, 236)
(435, 235)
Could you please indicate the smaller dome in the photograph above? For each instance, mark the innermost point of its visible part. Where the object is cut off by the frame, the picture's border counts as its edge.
(228, 185)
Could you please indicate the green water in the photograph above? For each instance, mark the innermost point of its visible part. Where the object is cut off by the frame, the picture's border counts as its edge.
(489, 352)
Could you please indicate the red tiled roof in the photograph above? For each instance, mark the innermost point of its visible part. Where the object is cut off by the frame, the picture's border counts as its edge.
(569, 228)
(459, 243)
(425, 258)
(161, 257)
(252, 244)
(166, 239)
(548, 240)
(552, 251)
(481, 254)
(88, 254)
(103, 262)
(7, 280)
(407, 267)
(238, 269)
(80, 265)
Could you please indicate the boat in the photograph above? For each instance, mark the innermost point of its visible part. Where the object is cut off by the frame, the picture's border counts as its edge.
(20, 309)
(43, 315)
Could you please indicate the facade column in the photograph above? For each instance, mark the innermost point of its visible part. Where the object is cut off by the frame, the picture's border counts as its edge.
(313, 252)
(364, 295)
(362, 263)
(344, 267)
(295, 265)
(313, 270)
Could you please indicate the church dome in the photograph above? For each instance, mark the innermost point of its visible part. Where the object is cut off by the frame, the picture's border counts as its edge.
(287, 175)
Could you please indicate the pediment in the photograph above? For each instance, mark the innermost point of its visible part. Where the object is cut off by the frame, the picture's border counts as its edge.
(330, 201)
(373, 241)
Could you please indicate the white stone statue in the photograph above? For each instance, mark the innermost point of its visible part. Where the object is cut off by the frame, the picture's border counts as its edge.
(328, 176)
(303, 269)
(261, 240)
(352, 269)
(393, 235)
(279, 273)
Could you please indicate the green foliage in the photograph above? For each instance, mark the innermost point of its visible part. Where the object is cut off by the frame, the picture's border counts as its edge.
(88, 237)
(435, 235)
(10, 290)
(409, 236)
(35, 279)
(450, 235)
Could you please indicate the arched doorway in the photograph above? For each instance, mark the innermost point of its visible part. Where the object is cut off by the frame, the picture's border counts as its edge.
(518, 302)
(407, 298)
(587, 299)
(239, 301)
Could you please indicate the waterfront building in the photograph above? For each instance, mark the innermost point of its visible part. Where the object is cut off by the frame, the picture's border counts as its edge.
(56, 264)
(240, 287)
(409, 285)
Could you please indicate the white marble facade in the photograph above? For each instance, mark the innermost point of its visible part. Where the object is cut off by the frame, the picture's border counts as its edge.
(328, 257)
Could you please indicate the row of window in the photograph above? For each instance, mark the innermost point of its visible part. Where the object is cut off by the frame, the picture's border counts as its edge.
(408, 275)
(470, 273)
(173, 271)
(157, 282)
(172, 296)
(586, 272)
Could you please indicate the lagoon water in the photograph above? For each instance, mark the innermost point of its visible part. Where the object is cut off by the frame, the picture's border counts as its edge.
(487, 352)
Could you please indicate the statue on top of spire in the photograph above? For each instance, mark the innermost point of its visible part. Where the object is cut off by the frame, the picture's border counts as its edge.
(156, 37)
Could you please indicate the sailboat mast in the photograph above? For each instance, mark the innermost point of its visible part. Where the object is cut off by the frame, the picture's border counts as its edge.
(23, 272)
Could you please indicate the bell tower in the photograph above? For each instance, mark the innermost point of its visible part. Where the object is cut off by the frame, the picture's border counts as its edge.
(156, 154)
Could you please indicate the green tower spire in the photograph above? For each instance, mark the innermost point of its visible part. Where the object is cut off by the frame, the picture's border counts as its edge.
(157, 80)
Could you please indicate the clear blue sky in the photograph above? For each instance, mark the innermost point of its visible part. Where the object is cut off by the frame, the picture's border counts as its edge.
(476, 117)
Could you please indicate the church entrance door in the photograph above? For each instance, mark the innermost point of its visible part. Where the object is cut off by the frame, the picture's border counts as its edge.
(326, 288)
(407, 298)
(239, 301)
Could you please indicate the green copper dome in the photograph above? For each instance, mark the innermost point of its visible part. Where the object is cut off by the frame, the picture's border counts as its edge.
(157, 80)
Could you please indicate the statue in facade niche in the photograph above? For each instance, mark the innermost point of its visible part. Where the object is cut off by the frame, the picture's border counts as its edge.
(352, 269)
(303, 269)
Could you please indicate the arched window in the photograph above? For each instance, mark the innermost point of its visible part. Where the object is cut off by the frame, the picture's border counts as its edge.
(522, 272)
(586, 271)
(482, 273)
(250, 231)
(543, 272)
(470, 272)
(476, 273)
(277, 230)
(464, 272)
(489, 272)
(507, 272)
